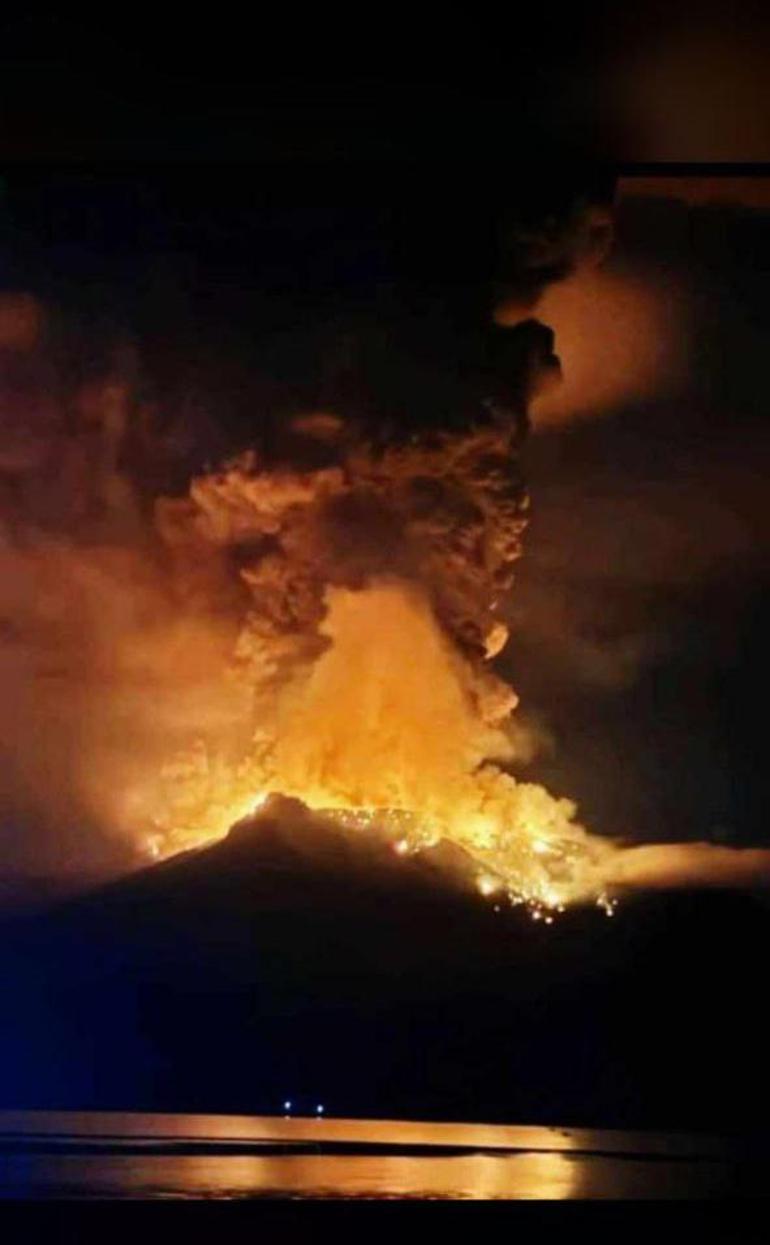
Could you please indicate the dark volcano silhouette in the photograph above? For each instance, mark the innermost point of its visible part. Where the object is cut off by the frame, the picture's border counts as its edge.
(297, 959)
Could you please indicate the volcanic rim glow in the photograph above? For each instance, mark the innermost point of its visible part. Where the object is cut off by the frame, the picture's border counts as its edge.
(381, 732)
(366, 696)
(493, 877)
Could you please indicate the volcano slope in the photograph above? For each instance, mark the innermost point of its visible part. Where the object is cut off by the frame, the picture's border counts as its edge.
(299, 959)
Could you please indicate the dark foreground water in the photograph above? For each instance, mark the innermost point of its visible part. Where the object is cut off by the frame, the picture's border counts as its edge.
(117, 1155)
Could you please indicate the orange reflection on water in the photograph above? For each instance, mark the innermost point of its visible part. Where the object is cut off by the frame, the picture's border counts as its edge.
(466, 1177)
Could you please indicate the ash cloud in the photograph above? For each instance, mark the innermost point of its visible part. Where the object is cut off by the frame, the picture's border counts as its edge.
(638, 613)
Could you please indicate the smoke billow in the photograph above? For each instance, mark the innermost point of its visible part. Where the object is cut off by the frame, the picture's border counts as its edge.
(100, 669)
(370, 593)
(664, 866)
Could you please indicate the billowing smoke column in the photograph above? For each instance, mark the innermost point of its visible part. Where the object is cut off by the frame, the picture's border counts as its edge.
(368, 585)
(318, 618)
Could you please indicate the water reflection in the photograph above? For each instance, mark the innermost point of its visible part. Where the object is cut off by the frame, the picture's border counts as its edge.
(477, 1176)
(117, 1155)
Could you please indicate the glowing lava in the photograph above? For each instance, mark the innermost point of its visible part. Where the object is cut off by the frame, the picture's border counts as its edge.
(383, 729)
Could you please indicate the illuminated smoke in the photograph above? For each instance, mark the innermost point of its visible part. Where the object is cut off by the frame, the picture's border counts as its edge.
(369, 590)
(664, 866)
(622, 338)
(101, 671)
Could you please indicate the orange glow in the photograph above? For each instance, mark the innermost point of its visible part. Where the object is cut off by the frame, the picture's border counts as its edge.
(382, 731)
(364, 656)
(620, 339)
(667, 865)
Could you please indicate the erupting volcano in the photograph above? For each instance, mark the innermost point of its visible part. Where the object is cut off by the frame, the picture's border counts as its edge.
(320, 618)
(369, 589)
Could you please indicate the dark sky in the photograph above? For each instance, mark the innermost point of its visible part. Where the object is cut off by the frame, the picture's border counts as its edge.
(314, 89)
(650, 85)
